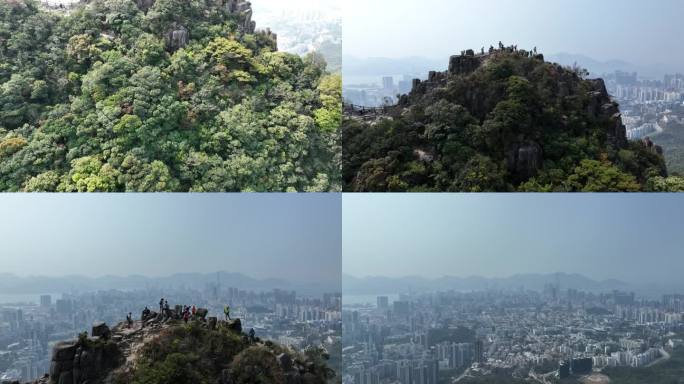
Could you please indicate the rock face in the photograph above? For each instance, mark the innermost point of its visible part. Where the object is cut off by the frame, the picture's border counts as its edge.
(234, 325)
(464, 64)
(177, 38)
(244, 10)
(144, 5)
(83, 361)
(101, 330)
(602, 106)
(524, 160)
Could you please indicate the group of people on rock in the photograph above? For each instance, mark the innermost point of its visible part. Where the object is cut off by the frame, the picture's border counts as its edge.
(189, 312)
(502, 48)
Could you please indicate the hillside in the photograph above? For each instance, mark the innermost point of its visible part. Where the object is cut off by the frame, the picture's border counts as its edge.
(160, 95)
(163, 350)
(503, 120)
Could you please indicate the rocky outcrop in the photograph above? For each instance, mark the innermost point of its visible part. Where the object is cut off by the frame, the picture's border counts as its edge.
(243, 9)
(144, 5)
(112, 354)
(464, 64)
(85, 360)
(177, 38)
(240, 8)
(524, 160)
(101, 330)
(600, 106)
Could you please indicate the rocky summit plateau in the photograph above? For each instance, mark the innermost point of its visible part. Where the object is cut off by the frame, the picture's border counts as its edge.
(162, 348)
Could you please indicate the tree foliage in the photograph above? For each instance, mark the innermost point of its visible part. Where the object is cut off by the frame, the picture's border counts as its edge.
(102, 99)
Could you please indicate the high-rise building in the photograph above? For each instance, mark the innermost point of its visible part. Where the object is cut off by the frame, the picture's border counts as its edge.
(401, 307)
(388, 83)
(479, 351)
(64, 306)
(383, 302)
(45, 301)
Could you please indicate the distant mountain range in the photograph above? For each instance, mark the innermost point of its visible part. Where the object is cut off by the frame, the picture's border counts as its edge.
(378, 66)
(387, 285)
(12, 284)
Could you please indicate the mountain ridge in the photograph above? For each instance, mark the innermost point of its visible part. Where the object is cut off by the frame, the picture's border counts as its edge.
(382, 284)
(13, 284)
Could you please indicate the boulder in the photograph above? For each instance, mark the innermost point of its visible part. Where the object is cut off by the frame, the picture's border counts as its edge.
(201, 313)
(100, 329)
(212, 322)
(285, 361)
(235, 325)
(64, 351)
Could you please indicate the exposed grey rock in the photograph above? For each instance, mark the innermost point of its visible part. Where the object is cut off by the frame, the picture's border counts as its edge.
(212, 322)
(285, 361)
(525, 160)
(462, 65)
(101, 329)
(144, 5)
(177, 38)
(201, 313)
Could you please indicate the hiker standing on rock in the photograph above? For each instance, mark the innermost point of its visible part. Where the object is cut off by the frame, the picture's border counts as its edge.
(129, 319)
(161, 305)
(252, 335)
(226, 311)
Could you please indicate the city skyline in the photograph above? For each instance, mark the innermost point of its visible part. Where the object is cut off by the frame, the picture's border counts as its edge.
(292, 237)
(495, 236)
(459, 25)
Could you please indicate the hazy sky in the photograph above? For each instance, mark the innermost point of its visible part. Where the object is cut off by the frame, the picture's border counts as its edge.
(286, 236)
(642, 32)
(628, 237)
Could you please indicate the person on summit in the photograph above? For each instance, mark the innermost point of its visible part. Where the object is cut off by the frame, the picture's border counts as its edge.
(129, 319)
(226, 311)
(161, 305)
(194, 310)
(251, 335)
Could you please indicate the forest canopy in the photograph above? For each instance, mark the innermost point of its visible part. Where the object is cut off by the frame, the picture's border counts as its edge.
(170, 95)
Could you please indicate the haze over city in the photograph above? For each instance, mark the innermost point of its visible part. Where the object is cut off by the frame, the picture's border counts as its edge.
(632, 30)
(295, 238)
(633, 238)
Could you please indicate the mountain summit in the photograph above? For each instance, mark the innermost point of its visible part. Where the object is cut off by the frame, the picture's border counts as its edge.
(501, 119)
(161, 348)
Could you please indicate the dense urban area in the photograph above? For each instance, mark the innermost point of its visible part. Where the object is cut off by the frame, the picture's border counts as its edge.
(550, 336)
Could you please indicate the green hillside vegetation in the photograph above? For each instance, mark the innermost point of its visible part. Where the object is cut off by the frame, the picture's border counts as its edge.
(513, 123)
(108, 97)
(672, 141)
(195, 354)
